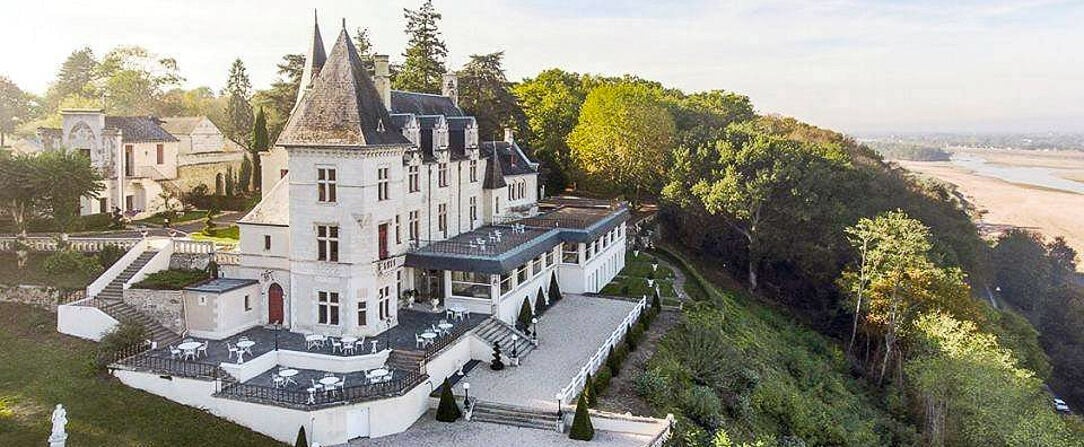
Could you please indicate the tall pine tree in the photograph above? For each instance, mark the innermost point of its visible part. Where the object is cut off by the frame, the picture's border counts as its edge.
(425, 52)
(238, 110)
(484, 93)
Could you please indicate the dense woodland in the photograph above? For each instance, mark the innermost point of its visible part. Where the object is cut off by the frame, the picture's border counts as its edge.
(863, 316)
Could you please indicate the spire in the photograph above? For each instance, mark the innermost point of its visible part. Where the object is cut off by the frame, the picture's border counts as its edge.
(314, 60)
(342, 107)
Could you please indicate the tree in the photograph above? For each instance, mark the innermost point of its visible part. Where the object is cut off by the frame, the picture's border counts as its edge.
(757, 180)
(539, 303)
(423, 69)
(134, 81)
(244, 176)
(551, 104)
(260, 143)
(365, 49)
(582, 429)
(15, 106)
(62, 178)
(555, 291)
(239, 117)
(485, 94)
(588, 392)
(18, 194)
(278, 101)
(622, 139)
(302, 440)
(447, 410)
(74, 78)
(496, 364)
(523, 322)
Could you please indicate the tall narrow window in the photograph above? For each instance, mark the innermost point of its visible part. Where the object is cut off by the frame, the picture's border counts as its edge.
(522, 190)
(267, 242)
(413, 184)
(325, 184)
(497, 205)
(398, 231)
(382, 240)
(382, 184)
(160, 154)
(328, 308)
(363, 312)
(383, 298)
(511, 192)
(442, 219)
(473, 171)
(473, 210)
(442, 175)
(412, 223)
(327, 243)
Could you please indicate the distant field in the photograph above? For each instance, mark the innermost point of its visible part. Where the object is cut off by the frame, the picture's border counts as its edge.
(1054, 213)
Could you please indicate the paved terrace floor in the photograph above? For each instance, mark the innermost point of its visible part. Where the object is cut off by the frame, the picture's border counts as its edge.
(569, 334)
(430, 433)
(401, 337)
(305, 378)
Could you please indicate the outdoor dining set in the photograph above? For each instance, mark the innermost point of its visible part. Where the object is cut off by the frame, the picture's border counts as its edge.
(347, 344)
(192, 349)
(429, 336)
(329, 383)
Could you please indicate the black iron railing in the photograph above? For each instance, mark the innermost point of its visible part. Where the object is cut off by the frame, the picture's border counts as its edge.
(405, 381)
(151, 361)
(446, 340)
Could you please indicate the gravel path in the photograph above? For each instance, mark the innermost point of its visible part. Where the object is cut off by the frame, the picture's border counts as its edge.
(679, 278)
(569, 334)
(430, 433)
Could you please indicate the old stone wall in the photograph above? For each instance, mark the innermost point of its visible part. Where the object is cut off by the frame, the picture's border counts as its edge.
(187, 261)
(163, 306)
(43, 297)
(189, 176)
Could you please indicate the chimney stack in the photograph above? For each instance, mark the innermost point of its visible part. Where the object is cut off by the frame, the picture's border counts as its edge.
(449, 87)
(382, 78)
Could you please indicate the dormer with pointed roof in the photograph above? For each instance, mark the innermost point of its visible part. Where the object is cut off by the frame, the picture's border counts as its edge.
(342, 108)
(314, 60)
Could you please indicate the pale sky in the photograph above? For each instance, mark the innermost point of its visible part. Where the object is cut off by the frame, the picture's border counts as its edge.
(854, 66)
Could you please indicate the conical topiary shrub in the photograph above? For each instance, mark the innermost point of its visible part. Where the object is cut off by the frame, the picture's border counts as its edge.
(539, 303)
(588, 390)
(302, 440)
(523, 323)
(496, 364)
(448, 410)
(582, 430)
(555, 292)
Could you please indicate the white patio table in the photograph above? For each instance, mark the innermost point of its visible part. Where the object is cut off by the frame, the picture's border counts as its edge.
(376, 374)
(314, 340)
(189, 348)
(446, 328)
(289, 375)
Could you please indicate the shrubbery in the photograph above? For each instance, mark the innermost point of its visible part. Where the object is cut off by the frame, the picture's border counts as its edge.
(109, 255)
(70, 269)
(171, 279)
(126, 336)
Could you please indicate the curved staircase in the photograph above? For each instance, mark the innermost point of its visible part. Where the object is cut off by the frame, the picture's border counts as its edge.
(496, 331)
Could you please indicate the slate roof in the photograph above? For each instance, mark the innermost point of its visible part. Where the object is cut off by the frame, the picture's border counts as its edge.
(221, 285)
(513, 160)
(314, 60)
(342, 108)
(139, 129)
(423, 104)
(181, 125)
(494, 178)
(460, 122)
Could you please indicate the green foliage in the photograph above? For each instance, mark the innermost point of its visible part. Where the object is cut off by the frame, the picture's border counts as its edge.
(582, 429)
(701, 404)
(554, 291)
(125, 337)
(1015, 333)
(424, 65)
(238, 92)
(260, 142)
(448, 410)
(589, 393)
(496, 364)
(539, 304)
(551, 102)
(909, 151)
(61, 178)
(523, 321)
(15, 106)
(244, 176)
(613, 362)
(622, 138)
(71, 268)
(602, 379)
(109, 255)
(279, 100)
(302, 440)
(484, 93)
(172, 279)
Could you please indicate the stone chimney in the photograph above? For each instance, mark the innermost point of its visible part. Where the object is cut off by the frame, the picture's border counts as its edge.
(449, 86)
(509, 135)
(382, 78)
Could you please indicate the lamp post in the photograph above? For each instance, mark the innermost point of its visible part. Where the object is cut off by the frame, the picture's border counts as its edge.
(466, 394)
(560, 414)
(515, 354)
(534, 329)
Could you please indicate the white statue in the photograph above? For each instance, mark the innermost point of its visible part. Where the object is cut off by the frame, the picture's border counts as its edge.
(60, 420)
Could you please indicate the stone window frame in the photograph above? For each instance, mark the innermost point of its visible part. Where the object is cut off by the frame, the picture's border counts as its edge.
(327, 179)
(383, 191)
(327, 244)
(328, 308)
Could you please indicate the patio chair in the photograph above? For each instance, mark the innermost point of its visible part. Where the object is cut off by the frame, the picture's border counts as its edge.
(360, 344)
(174, 352)
(349, 348)
(419, 342)
(202, 349)
(233, 350)
(277, 381)
(336, 344)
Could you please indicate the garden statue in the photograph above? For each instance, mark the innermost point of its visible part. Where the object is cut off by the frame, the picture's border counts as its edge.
(60, 419)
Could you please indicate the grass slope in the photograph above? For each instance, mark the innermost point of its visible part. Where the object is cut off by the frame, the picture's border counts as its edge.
(40, 368)
(737, 366)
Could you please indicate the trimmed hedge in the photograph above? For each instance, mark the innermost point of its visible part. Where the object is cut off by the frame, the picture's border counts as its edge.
(171, 279)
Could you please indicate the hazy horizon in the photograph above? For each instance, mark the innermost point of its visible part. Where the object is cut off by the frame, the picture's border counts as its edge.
(853, 66)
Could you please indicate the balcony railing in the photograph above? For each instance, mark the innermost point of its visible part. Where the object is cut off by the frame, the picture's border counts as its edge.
(302, 399)
(389, 264)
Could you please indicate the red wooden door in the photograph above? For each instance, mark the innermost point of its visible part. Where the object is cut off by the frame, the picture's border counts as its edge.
(274, 304)
(382, 239)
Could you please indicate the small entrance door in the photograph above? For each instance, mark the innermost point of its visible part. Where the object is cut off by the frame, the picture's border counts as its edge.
(382, 240)
(274, 304)
(357, 423)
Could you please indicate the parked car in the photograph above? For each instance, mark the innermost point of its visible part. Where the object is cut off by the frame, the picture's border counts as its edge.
(1061, 406)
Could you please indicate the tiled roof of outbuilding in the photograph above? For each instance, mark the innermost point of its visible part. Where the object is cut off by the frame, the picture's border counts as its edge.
(513, 160)
(139, 129)
(342, 108)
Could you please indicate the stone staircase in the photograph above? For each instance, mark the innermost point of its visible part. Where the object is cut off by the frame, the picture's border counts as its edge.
(504, 414)
(406, 360)
(112, 299)
(496, 331)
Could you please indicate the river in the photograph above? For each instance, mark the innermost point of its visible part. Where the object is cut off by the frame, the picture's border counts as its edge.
(1026, 175)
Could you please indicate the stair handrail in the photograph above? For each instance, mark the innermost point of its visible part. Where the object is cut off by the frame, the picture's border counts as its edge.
(514, 330)
(115, 270)
(160, 261)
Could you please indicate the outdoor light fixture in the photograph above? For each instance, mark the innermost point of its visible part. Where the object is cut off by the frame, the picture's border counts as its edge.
(466, 394)
(534, 330)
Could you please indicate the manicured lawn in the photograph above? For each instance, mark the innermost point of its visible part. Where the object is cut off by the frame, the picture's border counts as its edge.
(225, 235)
(34, 274)
(632, 280)
(40, 368)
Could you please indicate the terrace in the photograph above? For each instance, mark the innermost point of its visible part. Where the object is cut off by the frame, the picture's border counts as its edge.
(309, 389)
